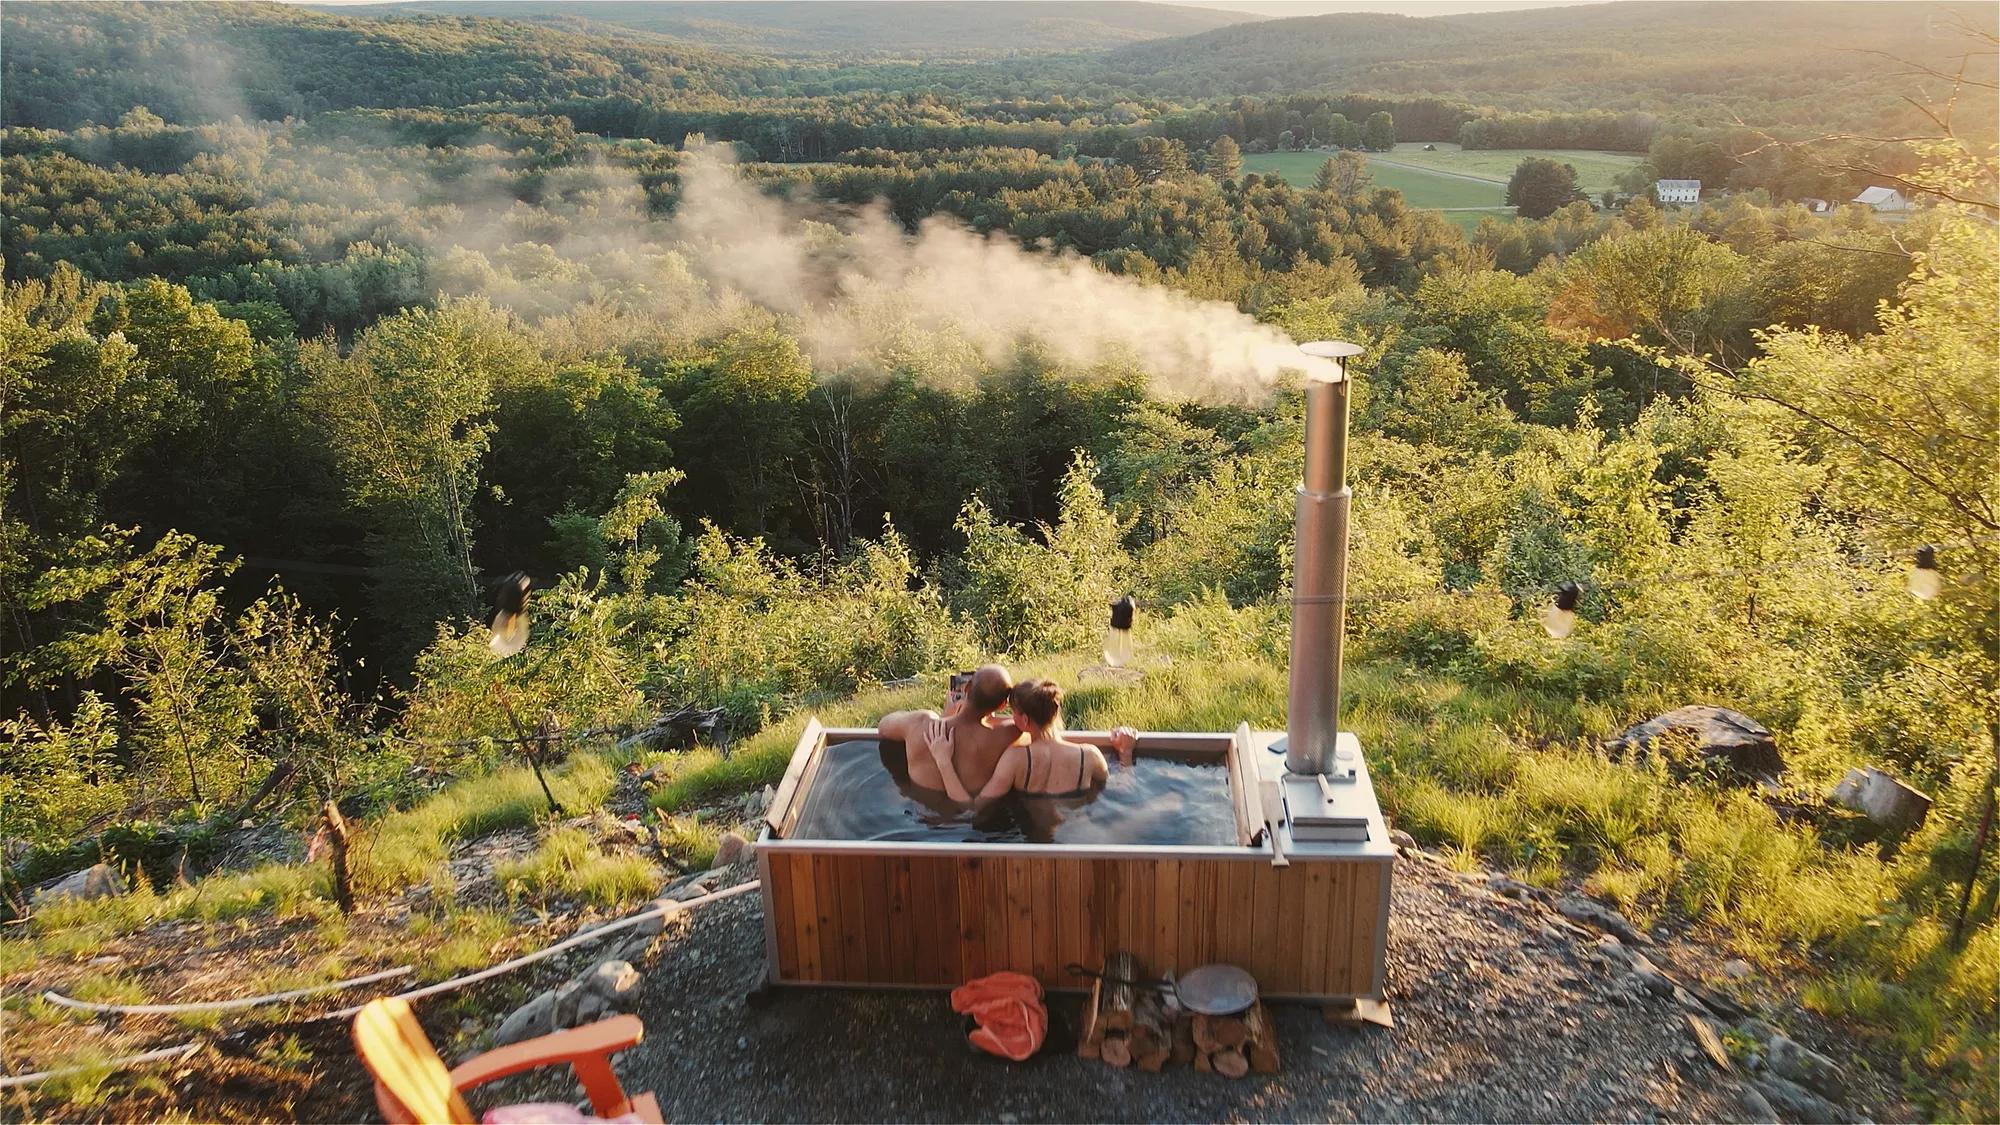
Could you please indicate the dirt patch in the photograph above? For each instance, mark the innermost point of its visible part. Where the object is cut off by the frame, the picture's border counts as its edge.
(1502, 1015)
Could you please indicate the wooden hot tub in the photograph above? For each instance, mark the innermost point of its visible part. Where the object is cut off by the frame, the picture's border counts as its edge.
(1308, 919)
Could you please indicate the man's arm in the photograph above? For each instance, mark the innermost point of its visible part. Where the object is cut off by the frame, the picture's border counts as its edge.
(898, 726)
(1002, 781)
(938, 734)
(1124, 740)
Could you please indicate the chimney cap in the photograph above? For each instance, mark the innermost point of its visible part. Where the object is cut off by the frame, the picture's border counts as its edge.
(1331, 349)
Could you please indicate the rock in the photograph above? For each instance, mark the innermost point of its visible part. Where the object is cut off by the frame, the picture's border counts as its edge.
(1514, 888)
(1758, 1106)
(96, 881)
(1798, 1103)
(635, 949)
(1403, 840)
(1717, 735)
(732, 849)
(536, 1017)
(589, 1009)
(1805, 1066)
(1882, 799)
(1649, 977)
(615, 981)
(569, 998)
(1736, 969)
(692, 889)
(1690, 1001)
(1597, 914)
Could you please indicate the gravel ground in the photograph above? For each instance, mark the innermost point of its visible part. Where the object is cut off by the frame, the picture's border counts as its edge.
(1502, 1013)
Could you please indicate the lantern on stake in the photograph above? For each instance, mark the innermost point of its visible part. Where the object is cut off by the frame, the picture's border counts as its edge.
(1560, 617)
(510, 614)
(1118, 638)
(1925, 581)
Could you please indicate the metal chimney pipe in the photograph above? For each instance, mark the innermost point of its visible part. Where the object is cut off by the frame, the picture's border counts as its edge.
(1319, 583)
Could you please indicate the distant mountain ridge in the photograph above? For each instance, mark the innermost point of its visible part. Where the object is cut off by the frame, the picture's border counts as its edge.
(1818, 59)
(961, 28)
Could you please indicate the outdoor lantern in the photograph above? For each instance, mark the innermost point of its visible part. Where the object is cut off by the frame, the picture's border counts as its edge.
(1118, 638)
(1925, 581)
(1560, 617)
(510, 614)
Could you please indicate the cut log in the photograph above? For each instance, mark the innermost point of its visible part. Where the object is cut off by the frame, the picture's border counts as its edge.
(1262, 1046)
(1202, 1062)
(1183, 1050)
(1116, 1049)
(1228, 1030)
(1151, 1029)
(1231, 1062)
(1203, 1029)
(1090, 1037)
(1119, 997)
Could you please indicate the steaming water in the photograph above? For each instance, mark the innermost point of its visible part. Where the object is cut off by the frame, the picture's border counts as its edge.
(1158, 801)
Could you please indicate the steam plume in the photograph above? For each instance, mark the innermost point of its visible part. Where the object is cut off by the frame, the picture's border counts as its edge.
(845, 289)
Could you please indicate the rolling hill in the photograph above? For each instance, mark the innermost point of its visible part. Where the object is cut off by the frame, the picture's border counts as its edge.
(1815, 63)
(67, 64)
(954, 28)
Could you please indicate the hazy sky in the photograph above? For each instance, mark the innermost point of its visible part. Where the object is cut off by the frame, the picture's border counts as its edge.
(1283, 8)
(1277, 8)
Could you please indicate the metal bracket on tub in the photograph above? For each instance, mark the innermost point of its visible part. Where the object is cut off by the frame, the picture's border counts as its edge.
(1271, 796)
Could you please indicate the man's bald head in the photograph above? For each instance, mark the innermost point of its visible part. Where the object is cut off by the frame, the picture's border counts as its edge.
(988, 690)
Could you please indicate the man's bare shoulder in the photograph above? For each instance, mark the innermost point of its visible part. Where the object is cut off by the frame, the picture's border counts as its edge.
(999, 736)
(903, 725)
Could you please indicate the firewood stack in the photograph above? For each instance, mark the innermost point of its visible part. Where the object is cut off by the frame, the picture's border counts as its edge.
(1125, 1026)
(1235, 1045)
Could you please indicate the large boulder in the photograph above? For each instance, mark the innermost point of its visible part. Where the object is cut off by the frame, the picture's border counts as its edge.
(97, 881)
(1705, 735)
(1882, 799)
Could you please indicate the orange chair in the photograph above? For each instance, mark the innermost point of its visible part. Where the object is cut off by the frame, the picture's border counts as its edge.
(412, 1086)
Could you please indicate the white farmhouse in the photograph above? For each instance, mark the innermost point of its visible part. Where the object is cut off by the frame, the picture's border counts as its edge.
(1884, 199)
(1678, 191)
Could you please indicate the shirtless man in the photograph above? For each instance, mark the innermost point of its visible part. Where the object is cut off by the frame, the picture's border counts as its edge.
(955, 753)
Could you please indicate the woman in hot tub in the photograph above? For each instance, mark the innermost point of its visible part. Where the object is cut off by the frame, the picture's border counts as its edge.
(1048, 765)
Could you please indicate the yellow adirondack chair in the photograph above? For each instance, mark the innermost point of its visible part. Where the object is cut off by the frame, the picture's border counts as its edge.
(412, 1086)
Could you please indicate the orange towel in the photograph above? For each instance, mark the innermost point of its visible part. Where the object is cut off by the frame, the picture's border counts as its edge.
(1008, 1007)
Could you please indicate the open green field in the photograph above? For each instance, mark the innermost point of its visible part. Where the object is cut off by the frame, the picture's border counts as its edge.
(1467, 185)
(1595, 171)
(1421, 187)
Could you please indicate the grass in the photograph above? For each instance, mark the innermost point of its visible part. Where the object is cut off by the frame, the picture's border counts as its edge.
(1425, 185)
(459, 941)
(690, 839)
(108, 988)
(1422, 189)
(391, 853)
(568, 865)
(1596, 171)
(407, 847)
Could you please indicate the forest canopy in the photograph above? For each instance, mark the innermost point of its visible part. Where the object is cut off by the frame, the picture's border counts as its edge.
(785, 378)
